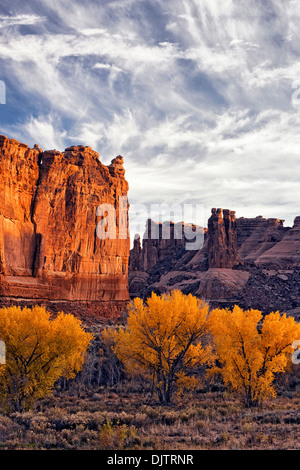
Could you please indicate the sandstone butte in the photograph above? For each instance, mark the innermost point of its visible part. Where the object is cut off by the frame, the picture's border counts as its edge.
(49, 250)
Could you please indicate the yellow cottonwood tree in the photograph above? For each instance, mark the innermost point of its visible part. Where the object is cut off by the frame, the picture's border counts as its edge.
(162, 340)
(251, 349)
(38, 352)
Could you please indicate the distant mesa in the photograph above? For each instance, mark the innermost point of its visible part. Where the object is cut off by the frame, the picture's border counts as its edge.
(253, 262)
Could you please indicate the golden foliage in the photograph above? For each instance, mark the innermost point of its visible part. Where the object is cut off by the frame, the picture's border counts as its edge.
(252, 349)
(116, 437)
(38, 351)
(162, 340)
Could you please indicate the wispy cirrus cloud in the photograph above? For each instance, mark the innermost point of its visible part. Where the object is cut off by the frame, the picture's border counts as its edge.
(21, 19)
(197, 96)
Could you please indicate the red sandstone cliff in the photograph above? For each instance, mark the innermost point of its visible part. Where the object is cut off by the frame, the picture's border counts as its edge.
(49, 248)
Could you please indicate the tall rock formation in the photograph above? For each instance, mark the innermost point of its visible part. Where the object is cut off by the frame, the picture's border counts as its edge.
(136, 261)
(163, 245)
(49, 245)
(222, 239)
(162, 242)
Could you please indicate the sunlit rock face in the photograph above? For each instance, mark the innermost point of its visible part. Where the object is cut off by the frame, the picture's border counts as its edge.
(49, 245)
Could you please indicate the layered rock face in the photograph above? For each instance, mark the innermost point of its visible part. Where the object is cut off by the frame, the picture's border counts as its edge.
(257, 235)
(254, 262)
(222, 239)
(163, 244)
(49, 243)
(286, 253)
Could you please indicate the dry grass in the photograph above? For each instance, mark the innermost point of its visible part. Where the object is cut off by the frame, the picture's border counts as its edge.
(209, 419)
(212, 420)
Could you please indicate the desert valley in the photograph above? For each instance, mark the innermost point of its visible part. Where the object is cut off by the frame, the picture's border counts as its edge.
(51, 256)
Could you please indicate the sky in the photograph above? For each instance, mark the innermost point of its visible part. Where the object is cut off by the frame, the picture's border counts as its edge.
(201, 97)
